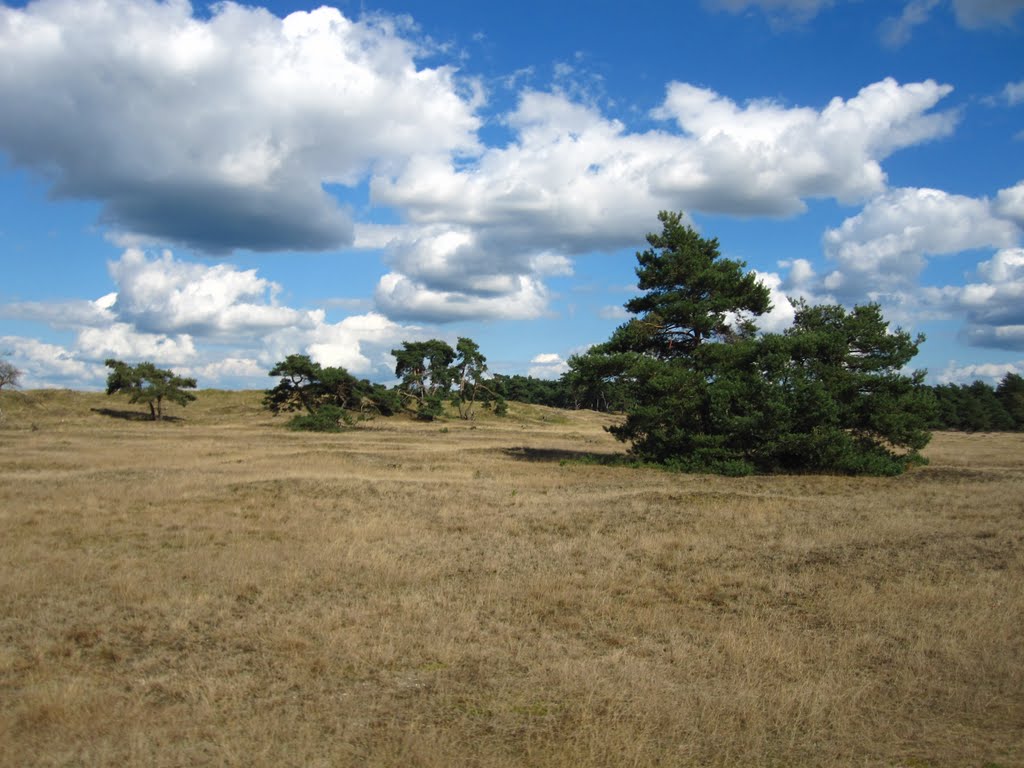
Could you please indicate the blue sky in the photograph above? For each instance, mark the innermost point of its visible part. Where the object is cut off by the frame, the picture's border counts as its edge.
(215, 186)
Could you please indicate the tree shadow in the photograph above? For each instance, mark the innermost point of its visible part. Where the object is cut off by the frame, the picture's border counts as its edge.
(564, 456)
(131, 415)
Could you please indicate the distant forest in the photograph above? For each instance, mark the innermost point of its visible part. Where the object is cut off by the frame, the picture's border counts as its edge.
(977, 407)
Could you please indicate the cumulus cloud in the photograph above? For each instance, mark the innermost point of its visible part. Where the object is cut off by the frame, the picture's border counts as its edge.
(1009, 204)
(547, 365)
(991, 372)
(884, 247)
(781, 315)
(994, 305)
(525, 298)
(50, 365)
(183, 297)
(213, 321)
(481, 235)
(218, 133)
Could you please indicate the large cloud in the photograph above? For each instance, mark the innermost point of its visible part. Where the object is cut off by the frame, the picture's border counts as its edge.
(214, 321)
(217, 133)
(883, 248)
(574, 181)
(181, 297)
(994, 305)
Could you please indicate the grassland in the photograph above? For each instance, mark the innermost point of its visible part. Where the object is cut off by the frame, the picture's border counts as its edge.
(216, 590)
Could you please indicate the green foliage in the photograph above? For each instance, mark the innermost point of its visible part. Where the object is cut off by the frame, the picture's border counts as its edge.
(327, 418)
(977, 407)
(703, 392)
(691, 293)
(467, 373)
(426, 373)
(145, 383)
(500, 406)
(530, 390)
(1010, 394)
(325, 393)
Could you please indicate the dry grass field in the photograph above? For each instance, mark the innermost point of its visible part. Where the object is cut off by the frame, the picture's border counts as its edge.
(216, 590)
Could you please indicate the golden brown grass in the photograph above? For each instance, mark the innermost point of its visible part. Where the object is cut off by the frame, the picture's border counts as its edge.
(219, 591)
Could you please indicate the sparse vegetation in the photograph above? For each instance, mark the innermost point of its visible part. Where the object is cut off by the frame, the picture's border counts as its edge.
(10, 375)
(502, 594)
(145, 383)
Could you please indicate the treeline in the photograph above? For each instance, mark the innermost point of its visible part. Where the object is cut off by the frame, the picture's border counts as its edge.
(433, 376)
(979, 407)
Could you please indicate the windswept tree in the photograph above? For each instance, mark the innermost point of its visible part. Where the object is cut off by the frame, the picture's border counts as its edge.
(10, 375)
(326, 393)
(425, 370)
(145, 383)
(468, 372)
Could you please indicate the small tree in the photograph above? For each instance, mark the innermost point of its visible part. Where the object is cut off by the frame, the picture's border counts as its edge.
(327, 394)
(10, 376)
(145, 383)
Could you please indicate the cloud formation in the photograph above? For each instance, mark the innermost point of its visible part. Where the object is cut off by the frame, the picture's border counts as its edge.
(970, 14)
(884, 247)
(482, 235)
(217, 322)
(993, 305)
(218, 133)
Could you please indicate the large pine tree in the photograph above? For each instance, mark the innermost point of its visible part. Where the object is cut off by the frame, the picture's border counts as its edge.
(706, 392)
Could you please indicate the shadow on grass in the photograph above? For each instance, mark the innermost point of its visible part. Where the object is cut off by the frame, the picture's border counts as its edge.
(131, 415)
(563, 456)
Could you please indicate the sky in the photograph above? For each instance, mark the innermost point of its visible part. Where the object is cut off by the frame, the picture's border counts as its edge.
(215, 186)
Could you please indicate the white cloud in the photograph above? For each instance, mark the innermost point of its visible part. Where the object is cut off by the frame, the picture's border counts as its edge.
(50, 365)
(781, 315)
(613, 312)
(216, 322)
(522, 298)
(973, 14)
(1014, 93)
(181, 297)
(124, 341)
(228, 369)
(574, 181)
(970, 14)
(896, 31)
(966, 374)
(547, 358)
(219, 133)
(63, 314)
(1010, 204)
(798, 10)
(883, 248)
(547, 365)
(994, 306)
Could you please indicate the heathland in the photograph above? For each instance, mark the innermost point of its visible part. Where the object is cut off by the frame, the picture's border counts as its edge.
(218, 590)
